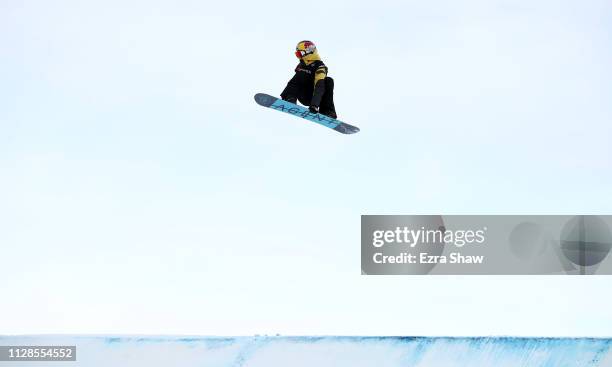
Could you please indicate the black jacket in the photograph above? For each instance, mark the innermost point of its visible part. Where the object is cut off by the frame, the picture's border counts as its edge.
(309, 80)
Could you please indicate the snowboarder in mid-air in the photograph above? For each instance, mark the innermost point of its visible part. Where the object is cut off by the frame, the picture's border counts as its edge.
(310, 84)
(313, 88)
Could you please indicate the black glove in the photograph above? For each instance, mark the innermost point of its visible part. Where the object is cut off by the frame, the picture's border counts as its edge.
(313, 109)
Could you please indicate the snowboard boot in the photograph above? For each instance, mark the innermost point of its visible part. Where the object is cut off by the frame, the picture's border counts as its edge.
(331, 114)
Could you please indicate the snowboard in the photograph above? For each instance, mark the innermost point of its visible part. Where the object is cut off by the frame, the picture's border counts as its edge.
(299, 111)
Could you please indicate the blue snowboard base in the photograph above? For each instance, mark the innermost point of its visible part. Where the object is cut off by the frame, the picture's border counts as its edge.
(299, 111)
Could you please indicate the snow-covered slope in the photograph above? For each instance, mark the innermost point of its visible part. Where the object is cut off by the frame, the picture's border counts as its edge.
(329, 351)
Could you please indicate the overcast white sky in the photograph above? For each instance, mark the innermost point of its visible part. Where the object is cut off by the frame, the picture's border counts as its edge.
(143, 191)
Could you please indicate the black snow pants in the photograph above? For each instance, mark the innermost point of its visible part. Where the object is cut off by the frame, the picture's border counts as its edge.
(293, 92)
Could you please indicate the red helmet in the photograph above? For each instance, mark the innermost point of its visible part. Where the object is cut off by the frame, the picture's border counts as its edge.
(304, 48)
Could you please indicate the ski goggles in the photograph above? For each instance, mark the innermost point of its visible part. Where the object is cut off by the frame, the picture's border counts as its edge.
(300, 53)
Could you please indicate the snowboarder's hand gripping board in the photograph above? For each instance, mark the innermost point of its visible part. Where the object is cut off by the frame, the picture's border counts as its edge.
(293, 109)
